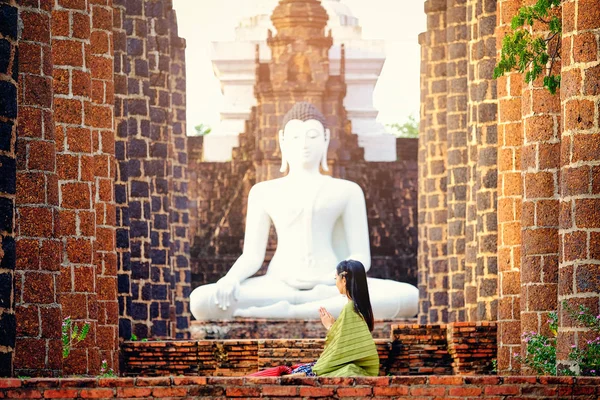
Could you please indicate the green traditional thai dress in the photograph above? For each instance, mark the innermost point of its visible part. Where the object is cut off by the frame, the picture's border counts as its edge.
(349, 348)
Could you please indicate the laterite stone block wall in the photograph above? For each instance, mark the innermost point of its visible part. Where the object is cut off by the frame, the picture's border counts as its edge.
(508, 200)
(461, 349)
(9, 53)
(92, 119)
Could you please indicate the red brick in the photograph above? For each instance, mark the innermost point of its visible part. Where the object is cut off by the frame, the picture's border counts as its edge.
(87, 223)
(575, 246)
(30, 56)
(544, 101)
(84, 279)
(35, 221)
(81, 25)
(588, 14)
(60, 394)
(81, 84)
(100, 43)
(283, 391)
(98, 116)
(67, 52)
(102, 18)
(97, 393)
(570, 84)
(79, 140)
(28, 318)
(73, 4)
(579, 114)
(8, 383)
(40, 288)
(163, 392)
(591, 85)
(427, 391)
(87, 168)
(37, 26)
(61, 25)
(31, 188)
(68, 111)
(133, 392)
(51, 319)
(316, 391)
(75, 196)
(107, 288)
(586, 147)
(30, 122)
(242, 391)
(354, 392)
(391, 391)
(502, 390)
(539, 185)
(587, 213)
(24, 394)
(79, 251)
(24, 348)
(42, 156)
(465, 391)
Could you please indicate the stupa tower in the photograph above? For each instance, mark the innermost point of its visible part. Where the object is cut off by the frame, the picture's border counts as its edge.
(299, 71)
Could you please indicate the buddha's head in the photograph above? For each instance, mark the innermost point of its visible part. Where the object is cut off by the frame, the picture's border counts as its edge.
(304, 138)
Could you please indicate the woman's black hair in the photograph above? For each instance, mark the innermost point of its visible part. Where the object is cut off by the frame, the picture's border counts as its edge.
(356, 287)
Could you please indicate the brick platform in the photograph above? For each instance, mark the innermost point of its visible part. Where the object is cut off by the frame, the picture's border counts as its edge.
(275, 329)
(402, 388)
(461, 348)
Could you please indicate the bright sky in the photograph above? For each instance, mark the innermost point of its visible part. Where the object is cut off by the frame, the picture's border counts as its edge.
(398, 22)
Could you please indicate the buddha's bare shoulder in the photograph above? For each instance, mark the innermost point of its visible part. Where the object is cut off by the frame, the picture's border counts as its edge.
(265, 187)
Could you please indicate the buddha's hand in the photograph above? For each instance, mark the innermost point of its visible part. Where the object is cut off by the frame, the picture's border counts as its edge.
(227, 291)
(326, 318)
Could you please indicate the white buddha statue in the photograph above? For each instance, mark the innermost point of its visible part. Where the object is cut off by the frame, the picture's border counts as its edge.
(320, 221)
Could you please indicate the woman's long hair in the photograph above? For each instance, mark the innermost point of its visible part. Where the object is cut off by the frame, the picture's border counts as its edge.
(356, 287)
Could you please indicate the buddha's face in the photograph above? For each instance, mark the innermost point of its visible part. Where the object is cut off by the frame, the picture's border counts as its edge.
(303, 143)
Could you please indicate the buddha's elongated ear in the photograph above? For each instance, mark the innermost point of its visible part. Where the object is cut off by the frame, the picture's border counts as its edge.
(284, 162)
(326, 147)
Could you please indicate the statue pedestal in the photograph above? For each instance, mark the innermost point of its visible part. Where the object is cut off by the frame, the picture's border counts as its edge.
(242, 328)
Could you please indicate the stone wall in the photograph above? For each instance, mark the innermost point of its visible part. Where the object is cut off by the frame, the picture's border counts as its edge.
(410, 349)
(519, 193)
(8, 132)
(401, 387)
(92, 115)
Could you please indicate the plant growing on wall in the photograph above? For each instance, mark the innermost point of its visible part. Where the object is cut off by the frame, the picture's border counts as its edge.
(71, 335)
(202, 129)
(533, 54)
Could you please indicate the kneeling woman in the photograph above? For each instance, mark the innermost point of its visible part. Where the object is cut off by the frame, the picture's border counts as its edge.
(349, 347)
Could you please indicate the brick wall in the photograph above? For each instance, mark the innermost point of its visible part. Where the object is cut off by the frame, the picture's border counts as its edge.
(68, 173)
(401, 387)
(579, 240)
(510, 189)
(39, 249)
(151, 182)
(461, 348)
(530, 171)
(9, 77)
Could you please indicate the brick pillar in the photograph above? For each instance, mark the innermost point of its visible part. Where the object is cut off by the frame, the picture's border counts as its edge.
(481, 259)
(435, 183)
(471, 211)
(121, 172)
(487, 164)
(539, 219)
(9, 76)
(456, 120)
(180, 220)
(100, 115)
(579, 237)
(136, 309)
(38, 311)
(76, 138)
(423, 249)
(510, 139)
(157, 169)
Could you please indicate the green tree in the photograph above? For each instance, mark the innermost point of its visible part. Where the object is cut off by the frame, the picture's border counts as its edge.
(523, 51)
(202, 129)
(409, 129)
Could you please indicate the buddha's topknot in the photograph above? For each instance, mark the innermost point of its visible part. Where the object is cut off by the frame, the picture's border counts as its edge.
(304, 111)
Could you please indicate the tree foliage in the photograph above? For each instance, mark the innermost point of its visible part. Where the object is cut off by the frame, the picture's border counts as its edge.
(409, 129)
(533, 54)
(202, 129)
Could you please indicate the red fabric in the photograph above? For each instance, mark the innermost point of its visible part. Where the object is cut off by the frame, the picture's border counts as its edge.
(275, 371)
